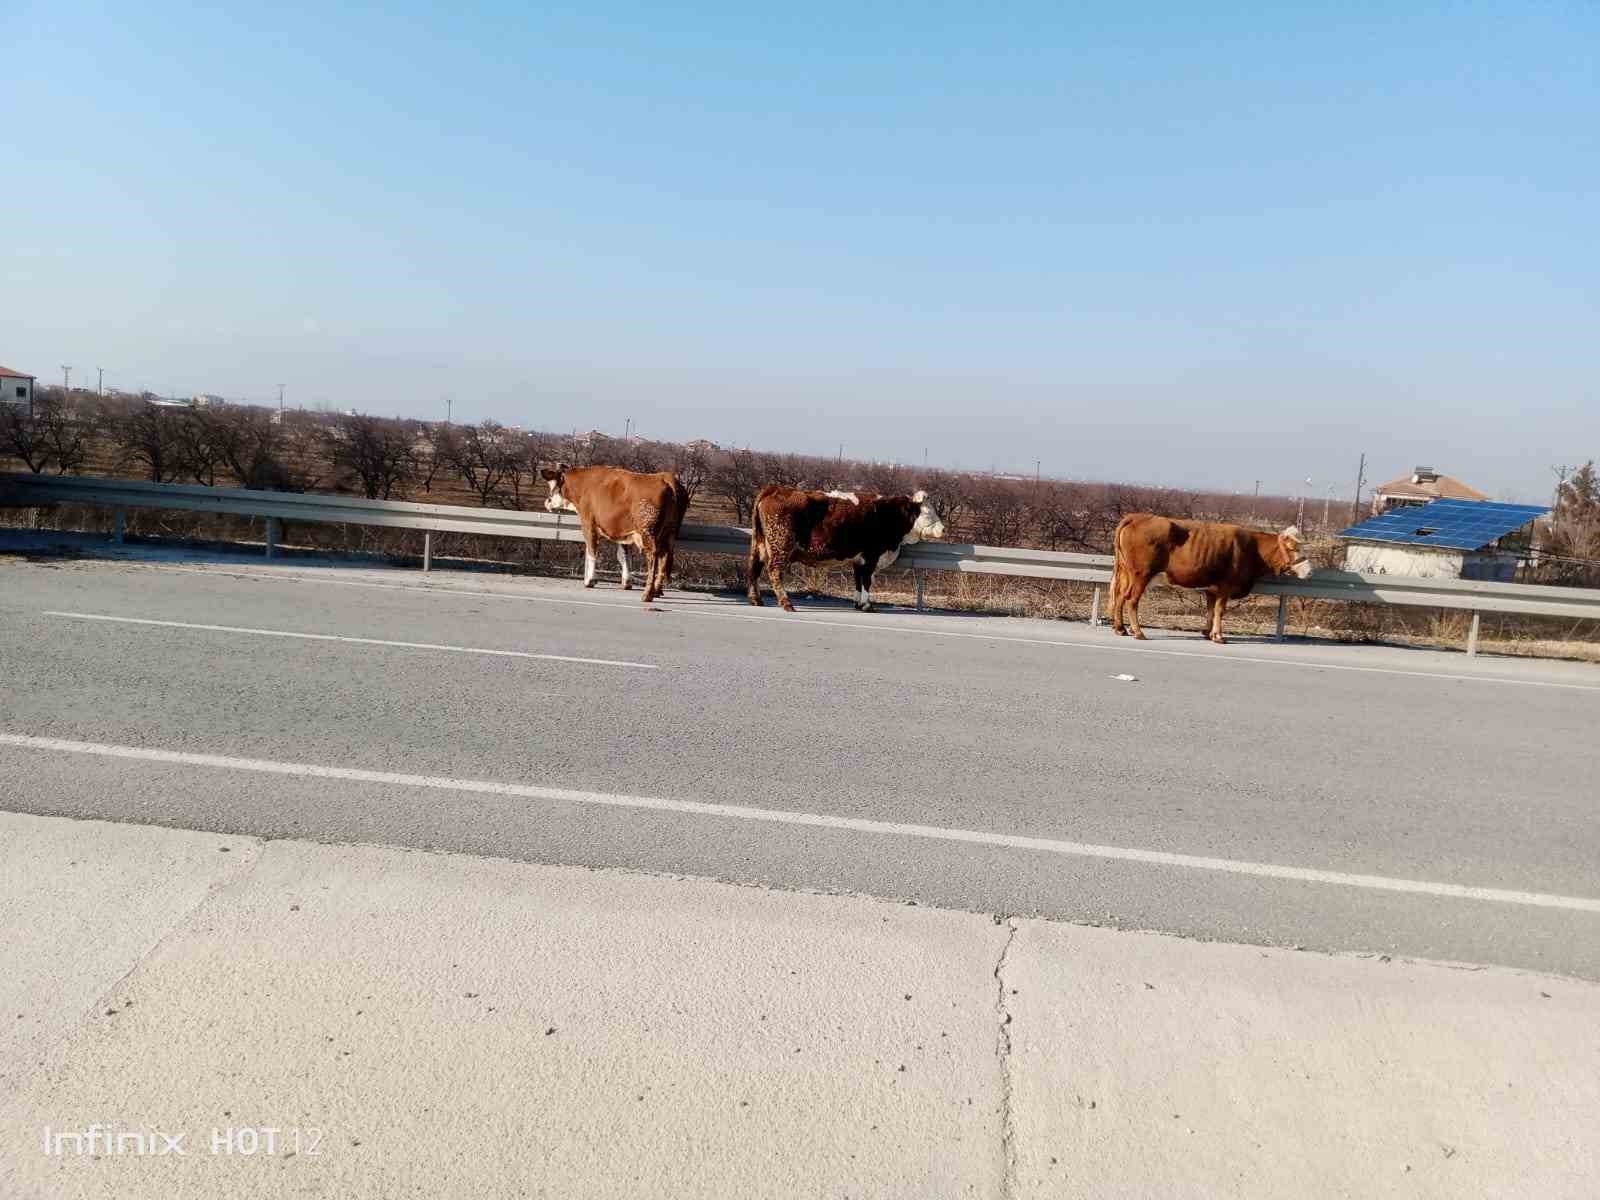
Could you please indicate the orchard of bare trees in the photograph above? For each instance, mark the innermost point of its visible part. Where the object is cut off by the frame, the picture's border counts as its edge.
(493, 465)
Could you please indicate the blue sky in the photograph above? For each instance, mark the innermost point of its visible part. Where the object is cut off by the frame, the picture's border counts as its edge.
(1189, 244)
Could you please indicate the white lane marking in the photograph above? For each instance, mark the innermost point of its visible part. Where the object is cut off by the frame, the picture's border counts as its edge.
(1382, 883)
(359, 641)
(1122, 645)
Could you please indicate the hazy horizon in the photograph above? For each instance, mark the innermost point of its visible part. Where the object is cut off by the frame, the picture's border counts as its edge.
(1189, 247)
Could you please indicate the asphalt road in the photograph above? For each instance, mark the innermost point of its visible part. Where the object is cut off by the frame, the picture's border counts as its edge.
(1331, 797)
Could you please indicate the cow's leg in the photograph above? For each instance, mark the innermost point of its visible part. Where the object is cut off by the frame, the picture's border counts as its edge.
(752, 570)
(1119, 579)
(1133, 592)
(864, 587)
(622, 561)
(589, 544)
(647, 547)
(775, 567)
(1219, 602)
(664, 545)
(666, 564)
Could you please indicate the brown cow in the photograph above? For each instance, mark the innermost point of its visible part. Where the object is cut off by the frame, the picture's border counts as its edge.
(791, 525)
(626, 508)
(1223, 560)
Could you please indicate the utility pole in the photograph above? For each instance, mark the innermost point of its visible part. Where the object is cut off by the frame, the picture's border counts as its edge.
(449, 403)
(1036, 464)
(66, 381)
(100, 386)
(280, 404)
(1361, 480)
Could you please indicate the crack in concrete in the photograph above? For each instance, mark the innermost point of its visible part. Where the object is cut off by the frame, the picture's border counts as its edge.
(243, 868)
(1008, 1133)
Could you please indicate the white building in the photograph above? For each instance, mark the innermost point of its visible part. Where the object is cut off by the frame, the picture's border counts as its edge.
(1444, 539)
(16, 388)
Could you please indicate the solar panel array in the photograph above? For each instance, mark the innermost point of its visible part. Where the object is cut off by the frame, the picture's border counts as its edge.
(1448, 524)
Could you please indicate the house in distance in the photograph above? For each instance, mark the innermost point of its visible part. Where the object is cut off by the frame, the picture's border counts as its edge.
(1423, 486)
(16, 388)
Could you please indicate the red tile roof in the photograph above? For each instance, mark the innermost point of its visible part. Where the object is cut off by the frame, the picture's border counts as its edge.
(1445, 487)
(7, 373)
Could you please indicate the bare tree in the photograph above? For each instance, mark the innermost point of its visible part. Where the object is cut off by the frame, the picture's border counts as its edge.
(999, 512)
(66, 435)
(435, 448)
(1058, 517)
(1571, 543)
(884, 478)
(151, 437)
(197, 447)
(736, 478)
(692, 465)
(488, 462)
(248, 444)
(302, 445)
(379, 454)
(22, 436)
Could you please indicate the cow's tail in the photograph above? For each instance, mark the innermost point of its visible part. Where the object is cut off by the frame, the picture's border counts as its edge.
(681, 495)
(757, 550)
(1118, 554)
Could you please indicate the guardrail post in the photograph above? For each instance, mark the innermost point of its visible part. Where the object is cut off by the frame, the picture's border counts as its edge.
(1094, 610)
(427, 550)
(272, 536)
(918, 574)
(119, 525)
(1283, 616)
(1472, 634)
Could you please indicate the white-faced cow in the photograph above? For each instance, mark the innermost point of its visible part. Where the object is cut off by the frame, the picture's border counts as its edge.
(790, 525)
(1224, 561)
(624, 507)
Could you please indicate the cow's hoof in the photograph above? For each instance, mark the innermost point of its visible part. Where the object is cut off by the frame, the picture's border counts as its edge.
(1139, 636)
(1219, 639)
(627, 587)
(787, 607)
(1119, 631)
(755, 601)
(589, 583)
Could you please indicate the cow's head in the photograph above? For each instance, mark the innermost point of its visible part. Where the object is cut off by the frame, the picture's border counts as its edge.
(928, 524)
(556, 477)
(1290, 560)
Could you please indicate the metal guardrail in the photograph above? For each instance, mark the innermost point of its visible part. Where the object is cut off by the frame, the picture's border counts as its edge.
(1578, 604)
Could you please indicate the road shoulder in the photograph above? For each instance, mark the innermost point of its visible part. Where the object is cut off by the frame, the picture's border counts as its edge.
(458, 1025)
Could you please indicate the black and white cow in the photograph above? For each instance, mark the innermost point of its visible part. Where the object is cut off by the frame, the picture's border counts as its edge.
(867, 530)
